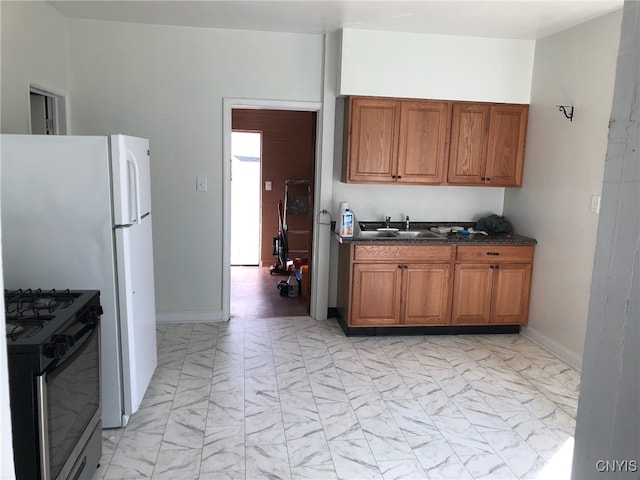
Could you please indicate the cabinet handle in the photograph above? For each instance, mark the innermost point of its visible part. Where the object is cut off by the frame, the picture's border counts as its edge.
(483, 178)
(497, 267)
(495, 254)
(394, 177)
(399, 266)
(488, 179)
(399, 177)
(406, 267)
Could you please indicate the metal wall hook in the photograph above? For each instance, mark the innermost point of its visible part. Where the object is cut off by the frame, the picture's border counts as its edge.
(567, 110)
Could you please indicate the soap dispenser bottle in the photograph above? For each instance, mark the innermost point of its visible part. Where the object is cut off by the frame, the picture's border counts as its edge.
(346, 223)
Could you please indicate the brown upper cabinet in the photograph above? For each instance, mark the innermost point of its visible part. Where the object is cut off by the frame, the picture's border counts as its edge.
(396, 141)
(433, 142)
(487, 144)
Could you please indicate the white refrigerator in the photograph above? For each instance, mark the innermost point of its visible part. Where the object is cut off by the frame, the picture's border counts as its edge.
(76, 213)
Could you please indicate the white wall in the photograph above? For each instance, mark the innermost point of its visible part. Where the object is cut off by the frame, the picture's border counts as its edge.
(34, 49)
(563, 167)
(167, 84)
(435, 66)
(608, 421)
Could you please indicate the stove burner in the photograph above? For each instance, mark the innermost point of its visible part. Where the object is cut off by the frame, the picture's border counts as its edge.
(13, 328)
(42, 303)
(27, 311)
(26, 326)
(29, 301)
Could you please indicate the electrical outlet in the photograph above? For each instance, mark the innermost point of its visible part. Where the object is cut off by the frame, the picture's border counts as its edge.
(201, 183)
(595, 204)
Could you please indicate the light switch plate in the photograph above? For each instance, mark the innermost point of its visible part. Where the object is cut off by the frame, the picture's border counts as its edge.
(595, 204)
(268, 185)
(201, 183)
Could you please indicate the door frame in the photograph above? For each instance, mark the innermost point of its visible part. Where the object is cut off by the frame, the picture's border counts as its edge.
(228, 105)
(61, 100)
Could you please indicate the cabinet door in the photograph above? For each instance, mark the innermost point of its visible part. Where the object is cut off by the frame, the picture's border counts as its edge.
(472, 293)
(511, 287)
(376, 294)
(468, 148)
(505, 149)
(373, 139)
(426, 294)
(423, 141)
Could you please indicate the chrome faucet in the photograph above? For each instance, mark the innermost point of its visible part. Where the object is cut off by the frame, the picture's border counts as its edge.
(387, 222)
(407, 225)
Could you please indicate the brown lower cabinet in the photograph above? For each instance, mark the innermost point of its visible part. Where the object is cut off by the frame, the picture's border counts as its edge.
(492, 284)
(395, 285)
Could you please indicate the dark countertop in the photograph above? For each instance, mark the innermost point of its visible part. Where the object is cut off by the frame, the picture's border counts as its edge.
(473, 239)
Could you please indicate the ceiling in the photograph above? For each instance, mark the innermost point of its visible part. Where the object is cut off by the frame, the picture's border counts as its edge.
(516, 19)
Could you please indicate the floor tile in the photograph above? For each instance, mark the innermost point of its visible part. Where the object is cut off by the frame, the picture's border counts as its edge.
(185, 429)
(172, 464)
(265, 427)
(385, 439)
(402, 470)
(133, 462)
(487, 466)
(311, 449)
(339, 421)
(267, 462)
(353, 459)
(223, 451)
(314, 472)
(461, 435)
(298, 406)
(437, 458)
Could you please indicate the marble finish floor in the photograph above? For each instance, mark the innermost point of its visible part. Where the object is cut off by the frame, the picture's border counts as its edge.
(293, 398)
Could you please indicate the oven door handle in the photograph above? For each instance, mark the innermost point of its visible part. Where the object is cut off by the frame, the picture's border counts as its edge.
(43, 426)
(84, 330)
(77, 347)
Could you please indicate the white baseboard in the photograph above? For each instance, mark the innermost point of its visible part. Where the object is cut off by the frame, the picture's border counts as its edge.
(554, 347)
(189, 317)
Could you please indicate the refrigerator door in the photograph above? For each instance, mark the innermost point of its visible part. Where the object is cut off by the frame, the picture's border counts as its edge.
(134, 254)
(57, 232)
(131, 171)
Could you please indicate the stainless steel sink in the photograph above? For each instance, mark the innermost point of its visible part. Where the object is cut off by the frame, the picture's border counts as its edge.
(408, 234)
(424, 234)
(377, 234)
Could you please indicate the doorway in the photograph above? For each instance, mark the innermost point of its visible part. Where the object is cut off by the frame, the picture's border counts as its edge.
(47, 112)
(285, 187)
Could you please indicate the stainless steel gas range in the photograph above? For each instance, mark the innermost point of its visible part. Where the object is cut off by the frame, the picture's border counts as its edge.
(53, 348)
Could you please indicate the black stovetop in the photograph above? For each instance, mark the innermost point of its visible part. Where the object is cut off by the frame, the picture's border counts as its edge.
(33, 317)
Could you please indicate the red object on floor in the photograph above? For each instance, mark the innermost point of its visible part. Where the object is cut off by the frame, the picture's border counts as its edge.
(298, 262)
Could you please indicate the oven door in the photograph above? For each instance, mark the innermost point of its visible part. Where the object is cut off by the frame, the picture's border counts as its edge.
(69, 405)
